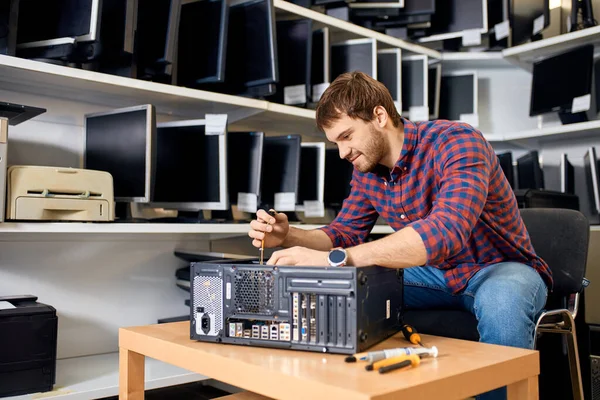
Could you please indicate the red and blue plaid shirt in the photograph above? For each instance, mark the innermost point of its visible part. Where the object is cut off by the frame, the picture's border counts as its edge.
(447, 185)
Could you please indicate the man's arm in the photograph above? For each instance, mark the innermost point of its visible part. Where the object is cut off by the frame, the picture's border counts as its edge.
(313, 239)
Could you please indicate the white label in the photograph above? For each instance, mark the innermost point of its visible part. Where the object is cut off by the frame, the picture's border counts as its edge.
(5, 305)
(216, 124)
(418, 113)
(317, 91)
(581, 103)
(294, 94)
(285, 201)
(538, 24)
(471, 119)
(387, 309)
(502, 30)
(314, 209)
(228, 290)
(247, 202)
(471, 37)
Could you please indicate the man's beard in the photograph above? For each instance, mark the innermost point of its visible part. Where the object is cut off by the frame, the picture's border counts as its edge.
(375, 149)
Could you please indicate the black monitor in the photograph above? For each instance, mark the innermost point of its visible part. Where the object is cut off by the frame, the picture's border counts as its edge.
(252, 61)
(191, 167)
(529, 172)
(590, 163)
(202, 43)
(354, 55)
(567, 175)
(280, 172)
(9, 16)
(559, 79)
(453, 17)
(458, 95)
(244, 166)
(122, 142)
(294, 49)
(523, 16)
(506, 163)
(338, 175)
(389, 72)
(413, 12)
(156, 39)
(320, 60)
(312, 175)
(377, 4)
(415, 82)
(434, 82)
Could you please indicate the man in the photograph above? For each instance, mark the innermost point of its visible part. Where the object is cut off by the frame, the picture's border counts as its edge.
(438, 184)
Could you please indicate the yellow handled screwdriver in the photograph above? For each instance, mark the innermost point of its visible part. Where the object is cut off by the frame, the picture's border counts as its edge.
(411, 335)
(410, 359)
(262, 243)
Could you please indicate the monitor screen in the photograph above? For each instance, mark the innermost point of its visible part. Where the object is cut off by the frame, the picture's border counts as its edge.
(557, 80)
(354, 55)
(458, 95)
(191, 172)
(202, 42)
(121, 142)
(567, 175)
(523, 14)
(506, 163)
(280, 170)
(338, 175)
(389, 72)
(434, 78)
(452, 17)
(312, 173)
(414, 75)
(590, 163)
(244, 163)
(320, 57)
(529, 172)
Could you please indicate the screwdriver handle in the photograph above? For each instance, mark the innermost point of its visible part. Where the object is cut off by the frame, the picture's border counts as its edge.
(411, 334)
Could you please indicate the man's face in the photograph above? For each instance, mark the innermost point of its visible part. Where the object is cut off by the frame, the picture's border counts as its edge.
(359, 142)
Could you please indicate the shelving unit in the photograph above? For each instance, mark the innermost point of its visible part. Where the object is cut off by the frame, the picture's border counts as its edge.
(470, 60)
(97, 376)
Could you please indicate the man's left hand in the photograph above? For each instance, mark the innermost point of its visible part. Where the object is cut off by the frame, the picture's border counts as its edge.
(300, 256)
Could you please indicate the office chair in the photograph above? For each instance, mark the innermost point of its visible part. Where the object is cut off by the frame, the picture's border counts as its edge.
(561, 238)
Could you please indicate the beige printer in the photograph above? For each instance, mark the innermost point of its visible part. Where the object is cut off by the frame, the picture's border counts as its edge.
(59, 194)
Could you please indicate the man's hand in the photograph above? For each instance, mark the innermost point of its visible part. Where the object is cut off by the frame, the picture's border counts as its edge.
(272, 229)
(299, 256)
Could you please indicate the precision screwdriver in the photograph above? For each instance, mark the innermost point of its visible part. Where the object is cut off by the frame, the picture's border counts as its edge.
(411, 335)
(262, 245)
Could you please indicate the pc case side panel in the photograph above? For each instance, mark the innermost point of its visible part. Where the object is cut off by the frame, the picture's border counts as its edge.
(379, 304)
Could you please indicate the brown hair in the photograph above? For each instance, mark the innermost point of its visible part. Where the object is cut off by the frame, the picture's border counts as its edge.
(355, 94)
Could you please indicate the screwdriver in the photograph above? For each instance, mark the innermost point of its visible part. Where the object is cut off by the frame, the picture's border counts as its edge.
(411, 335)
(262, 244)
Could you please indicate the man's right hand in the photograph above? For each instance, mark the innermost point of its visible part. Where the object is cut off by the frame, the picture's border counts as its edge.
(276, 228)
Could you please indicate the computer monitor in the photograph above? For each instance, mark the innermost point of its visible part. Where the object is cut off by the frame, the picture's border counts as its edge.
(529, 172)
(156, 39)
(559, 79)
(354, 55)
(434, 82)
(280, 172)
(414, 82)
(590, 163)
(506, 163)
(244, 166)
(523, 14)
(202, 43)
(252, 61)
(377, 4)
(453, 17)
(458, 96)
(311, 186)
(191, 167)
(413, 12)
(389, 72)
(320, 60)
(9, 16)
(567, 175)
(338, 175)
(122, 142)
(294, 49)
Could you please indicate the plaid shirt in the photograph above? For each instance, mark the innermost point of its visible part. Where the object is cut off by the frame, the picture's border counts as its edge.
(447, 185)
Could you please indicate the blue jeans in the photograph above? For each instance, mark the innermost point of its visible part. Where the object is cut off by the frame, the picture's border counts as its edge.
(506, 298)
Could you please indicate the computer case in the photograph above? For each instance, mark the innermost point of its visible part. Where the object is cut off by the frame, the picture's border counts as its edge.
(28, 333)
(342, 310)
(542, 198)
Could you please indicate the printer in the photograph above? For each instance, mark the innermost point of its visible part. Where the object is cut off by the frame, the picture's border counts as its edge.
(59, 194)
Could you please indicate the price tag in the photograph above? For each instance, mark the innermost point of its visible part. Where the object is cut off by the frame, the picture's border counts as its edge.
(418, 113)
(471, 37)
(5, 305)
(294, 94)
(314, 209)
(538, 24)
(285, 201)
(471, 119)
(247, 202)
(216, 124)
(581, 103)
(317, 91)
(502, 30)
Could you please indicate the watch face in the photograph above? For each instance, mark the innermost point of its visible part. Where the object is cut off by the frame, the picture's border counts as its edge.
(337, 256)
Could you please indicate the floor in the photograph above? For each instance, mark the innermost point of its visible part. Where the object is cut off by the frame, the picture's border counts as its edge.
(191, 391)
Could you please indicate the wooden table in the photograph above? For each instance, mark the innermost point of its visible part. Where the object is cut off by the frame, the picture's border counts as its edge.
(461, 370)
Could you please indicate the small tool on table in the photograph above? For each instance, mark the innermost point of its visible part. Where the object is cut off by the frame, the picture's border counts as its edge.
(262, 244)
(411, 335)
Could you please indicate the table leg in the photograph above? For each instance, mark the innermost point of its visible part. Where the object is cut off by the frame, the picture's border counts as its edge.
(527, 389)
(131, 375)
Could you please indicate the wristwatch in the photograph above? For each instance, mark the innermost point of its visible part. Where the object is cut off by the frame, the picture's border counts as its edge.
(337, 257)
